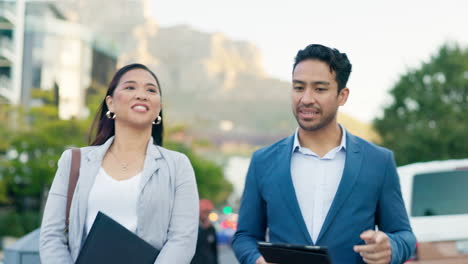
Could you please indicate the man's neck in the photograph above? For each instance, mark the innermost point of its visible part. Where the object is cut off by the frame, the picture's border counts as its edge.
(321, 141)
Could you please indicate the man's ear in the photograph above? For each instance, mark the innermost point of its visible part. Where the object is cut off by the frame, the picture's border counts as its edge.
(343, 96)
(109, 103)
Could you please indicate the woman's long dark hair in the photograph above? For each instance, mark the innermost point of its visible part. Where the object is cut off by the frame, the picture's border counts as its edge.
(106, 126)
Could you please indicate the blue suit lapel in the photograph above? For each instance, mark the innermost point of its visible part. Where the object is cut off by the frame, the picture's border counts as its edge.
(350, 174)
(282, 170)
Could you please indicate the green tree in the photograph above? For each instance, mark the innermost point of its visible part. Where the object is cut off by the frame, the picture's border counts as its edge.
(11, 119)
(32, 142)
(30, 161)
(210, 177)
(428, 117)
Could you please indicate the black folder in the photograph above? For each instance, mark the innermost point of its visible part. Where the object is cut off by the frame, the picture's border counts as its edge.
(110, 242)
(293, 254)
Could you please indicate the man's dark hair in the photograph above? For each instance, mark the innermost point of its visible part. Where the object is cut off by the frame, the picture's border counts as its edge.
(337, 61)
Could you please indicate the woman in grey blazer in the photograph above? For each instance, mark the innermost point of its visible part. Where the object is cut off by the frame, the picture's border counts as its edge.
(128, 175)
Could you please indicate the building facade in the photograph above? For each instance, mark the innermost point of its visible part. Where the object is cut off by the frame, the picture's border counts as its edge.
(11, 23)
(56, 54)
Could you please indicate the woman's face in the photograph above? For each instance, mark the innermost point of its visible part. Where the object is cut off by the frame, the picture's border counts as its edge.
(136, 100)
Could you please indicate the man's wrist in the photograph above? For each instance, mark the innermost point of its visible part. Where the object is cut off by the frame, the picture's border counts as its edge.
(394, 256)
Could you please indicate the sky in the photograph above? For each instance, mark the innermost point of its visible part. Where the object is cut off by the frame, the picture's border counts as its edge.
(383, 39)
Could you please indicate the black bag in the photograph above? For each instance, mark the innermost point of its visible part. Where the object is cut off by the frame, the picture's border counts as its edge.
(110, 242)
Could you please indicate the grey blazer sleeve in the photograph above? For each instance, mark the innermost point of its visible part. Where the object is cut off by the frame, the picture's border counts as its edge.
(183, 227)
(53, 247)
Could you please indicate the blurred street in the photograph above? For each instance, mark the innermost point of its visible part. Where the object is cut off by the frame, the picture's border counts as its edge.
(226, 255)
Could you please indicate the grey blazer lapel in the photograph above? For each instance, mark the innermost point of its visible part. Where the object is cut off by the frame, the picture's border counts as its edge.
(151, 164)
(351, 170)
(90, 165)
(285, 184)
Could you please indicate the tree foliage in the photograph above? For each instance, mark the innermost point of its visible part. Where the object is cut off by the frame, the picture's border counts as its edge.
(428, 117)
(210, 177)
(36, 140)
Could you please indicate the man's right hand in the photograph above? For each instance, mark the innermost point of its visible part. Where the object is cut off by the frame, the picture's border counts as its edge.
(261, 260)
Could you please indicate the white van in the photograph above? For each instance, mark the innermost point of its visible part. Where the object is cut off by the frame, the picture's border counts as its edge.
(436, 197)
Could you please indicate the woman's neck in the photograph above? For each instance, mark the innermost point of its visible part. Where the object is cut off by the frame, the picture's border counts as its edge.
(131, 140)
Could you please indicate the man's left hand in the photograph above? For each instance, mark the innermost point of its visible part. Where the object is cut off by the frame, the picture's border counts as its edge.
(377, 249)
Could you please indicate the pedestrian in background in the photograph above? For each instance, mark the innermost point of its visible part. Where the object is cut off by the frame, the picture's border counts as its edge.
(207, 250)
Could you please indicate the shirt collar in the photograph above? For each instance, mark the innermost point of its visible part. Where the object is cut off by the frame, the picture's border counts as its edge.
(297, 145)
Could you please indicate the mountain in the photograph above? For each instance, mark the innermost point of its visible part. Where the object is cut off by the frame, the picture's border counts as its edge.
(215, 85)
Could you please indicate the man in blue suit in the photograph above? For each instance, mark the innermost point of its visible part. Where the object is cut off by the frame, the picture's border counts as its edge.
(323, 185)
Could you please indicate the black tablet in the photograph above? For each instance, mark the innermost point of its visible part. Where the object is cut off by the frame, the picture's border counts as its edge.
(293, 254)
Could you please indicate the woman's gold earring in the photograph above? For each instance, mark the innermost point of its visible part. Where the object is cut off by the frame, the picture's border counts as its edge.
(110, 115)
(158, 121)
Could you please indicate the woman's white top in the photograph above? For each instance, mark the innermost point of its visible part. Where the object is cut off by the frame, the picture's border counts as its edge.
(116, 199)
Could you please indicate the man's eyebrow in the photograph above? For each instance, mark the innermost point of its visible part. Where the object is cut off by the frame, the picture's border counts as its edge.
(315, 83)
(299, 82)
(321, 82)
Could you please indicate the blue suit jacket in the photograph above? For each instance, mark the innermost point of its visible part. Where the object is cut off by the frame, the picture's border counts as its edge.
(368, 195)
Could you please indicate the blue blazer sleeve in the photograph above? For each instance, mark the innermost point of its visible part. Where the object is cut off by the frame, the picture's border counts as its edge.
(252, 219)
(392, 217)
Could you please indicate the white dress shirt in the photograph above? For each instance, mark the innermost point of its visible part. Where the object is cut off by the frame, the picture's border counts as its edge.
(316, 181)
(116, 199)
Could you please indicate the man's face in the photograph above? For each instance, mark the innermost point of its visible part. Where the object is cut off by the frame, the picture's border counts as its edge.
(315, 98)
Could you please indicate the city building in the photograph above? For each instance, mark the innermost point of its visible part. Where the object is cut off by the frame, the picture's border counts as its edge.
(10, 50)
(55, 54)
